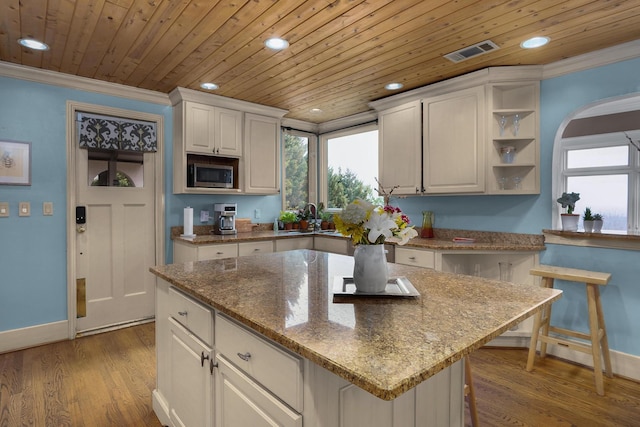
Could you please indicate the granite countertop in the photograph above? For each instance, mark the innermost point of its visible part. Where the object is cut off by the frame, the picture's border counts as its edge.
(484, 240)
(386, 345)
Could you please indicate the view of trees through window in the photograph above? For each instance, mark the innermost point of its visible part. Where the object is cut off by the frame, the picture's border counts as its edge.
(352, 168)
(296, 160)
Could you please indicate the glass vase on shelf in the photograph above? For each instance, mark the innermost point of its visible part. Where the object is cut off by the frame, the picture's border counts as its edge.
(428, 220)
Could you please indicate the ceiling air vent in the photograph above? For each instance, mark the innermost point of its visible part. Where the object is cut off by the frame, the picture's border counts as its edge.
(471, 51)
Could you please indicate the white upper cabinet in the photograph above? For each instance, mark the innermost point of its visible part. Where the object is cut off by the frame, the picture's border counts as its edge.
(474, 134)
(261, 154)
(514, 147)
(400, 148)
(454, 142)
(212, 130)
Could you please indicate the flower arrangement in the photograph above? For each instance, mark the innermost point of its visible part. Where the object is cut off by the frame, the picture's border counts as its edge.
(568, 200)
(369, 224)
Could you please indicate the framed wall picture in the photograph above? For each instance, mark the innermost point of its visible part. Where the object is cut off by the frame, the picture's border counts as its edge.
(15, 163)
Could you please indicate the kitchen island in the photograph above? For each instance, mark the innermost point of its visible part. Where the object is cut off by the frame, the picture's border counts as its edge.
(347, 355)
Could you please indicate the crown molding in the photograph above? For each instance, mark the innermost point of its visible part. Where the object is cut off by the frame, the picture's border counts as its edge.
(56, 78)
(183, 94)
(621, 52)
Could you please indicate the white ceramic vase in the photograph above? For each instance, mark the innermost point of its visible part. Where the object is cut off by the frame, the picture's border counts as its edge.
(370, 271)
(570, 222)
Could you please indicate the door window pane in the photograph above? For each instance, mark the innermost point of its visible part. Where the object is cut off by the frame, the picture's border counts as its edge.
(604, 194)
(598, 157)
(352, 169)
(115, 168)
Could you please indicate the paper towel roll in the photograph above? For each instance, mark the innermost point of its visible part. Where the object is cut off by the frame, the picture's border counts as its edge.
(188, 222)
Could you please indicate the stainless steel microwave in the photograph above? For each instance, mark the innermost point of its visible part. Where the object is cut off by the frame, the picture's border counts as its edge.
(209, 176)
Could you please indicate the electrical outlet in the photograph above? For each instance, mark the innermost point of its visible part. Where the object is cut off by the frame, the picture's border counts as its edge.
(47, 208)
(24, 209)
(4, 209)
(257, 213)
(204, 216)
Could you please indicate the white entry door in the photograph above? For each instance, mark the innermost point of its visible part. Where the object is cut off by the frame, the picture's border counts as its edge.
(116, 245)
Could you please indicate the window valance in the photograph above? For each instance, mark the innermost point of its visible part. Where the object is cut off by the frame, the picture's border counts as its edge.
(116, 133)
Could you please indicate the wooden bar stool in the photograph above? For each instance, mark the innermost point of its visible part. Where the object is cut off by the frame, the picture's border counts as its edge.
(470, 393)
(597, 336)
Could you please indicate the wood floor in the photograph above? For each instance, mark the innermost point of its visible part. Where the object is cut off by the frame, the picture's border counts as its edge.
(107, 380)
(99, 380)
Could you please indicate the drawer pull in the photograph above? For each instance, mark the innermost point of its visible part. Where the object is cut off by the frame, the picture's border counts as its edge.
(256, 249)
(245, 356)
(412, 258)
(182, 313)
(203, 358)
(219, 253)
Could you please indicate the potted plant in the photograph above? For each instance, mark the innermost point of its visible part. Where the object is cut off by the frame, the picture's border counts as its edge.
(303, 218)
(288, 218)
(569, 219)
(587, 220)
(325, 218)
(597, 223)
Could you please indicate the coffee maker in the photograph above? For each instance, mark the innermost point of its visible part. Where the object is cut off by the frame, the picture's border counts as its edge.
(224, 218)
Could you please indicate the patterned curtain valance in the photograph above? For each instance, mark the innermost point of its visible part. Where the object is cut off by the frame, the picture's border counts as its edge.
(116, 133)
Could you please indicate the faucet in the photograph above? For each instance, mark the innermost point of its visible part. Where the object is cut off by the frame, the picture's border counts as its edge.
(315, 214)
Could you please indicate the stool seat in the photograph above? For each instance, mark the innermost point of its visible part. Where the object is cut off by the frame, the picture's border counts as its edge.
(596, 340)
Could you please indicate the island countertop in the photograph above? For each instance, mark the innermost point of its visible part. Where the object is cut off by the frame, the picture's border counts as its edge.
(384, 345)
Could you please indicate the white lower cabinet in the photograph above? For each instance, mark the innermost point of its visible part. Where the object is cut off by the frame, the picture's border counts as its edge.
(252, 381)
(415, 257)
(191, 396)
(330, 244)
(240, 401)
(294, 243)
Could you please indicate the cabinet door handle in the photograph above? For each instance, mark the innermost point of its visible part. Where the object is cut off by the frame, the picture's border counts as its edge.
(245, 356)
(212, 365)
(182, 313)
(203, 358)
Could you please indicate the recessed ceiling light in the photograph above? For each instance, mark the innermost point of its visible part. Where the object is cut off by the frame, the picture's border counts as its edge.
(315, 111)
(393, 86)
(276, 43)
(33, 44)
(534, 42)
(209, 86)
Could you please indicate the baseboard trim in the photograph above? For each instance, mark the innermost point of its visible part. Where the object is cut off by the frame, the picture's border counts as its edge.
(17, 339)
(623, 364)
(161, 408)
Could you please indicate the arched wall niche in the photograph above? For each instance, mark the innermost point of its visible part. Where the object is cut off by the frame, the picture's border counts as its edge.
(616, 116)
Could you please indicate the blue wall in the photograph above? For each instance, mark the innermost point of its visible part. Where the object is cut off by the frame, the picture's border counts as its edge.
(32, 296)
(33, 253)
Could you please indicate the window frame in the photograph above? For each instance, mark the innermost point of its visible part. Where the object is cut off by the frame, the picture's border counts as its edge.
(324, 158)
(561, 173)
(313, 165)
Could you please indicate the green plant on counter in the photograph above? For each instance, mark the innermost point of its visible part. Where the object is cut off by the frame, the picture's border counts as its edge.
(597, 217)
(326, 216)
(587, 215)
(288, 217)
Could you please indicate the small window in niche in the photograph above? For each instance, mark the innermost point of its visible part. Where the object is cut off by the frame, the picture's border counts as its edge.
(115, 168)
(597, 157)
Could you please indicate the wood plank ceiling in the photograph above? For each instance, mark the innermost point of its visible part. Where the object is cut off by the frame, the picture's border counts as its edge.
(341, 52)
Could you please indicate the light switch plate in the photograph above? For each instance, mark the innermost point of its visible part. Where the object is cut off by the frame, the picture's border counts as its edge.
(4, 209)
(47, 208)
(24, 209)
